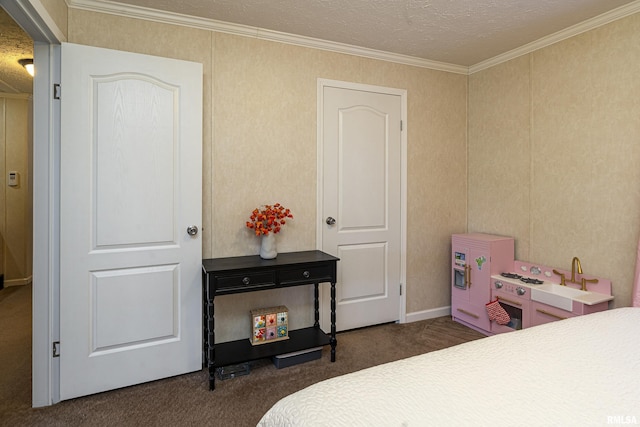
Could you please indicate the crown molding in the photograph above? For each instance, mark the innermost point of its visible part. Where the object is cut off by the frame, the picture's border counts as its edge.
(148, 14)
(360, 51)
(114, 8)
(582, 27)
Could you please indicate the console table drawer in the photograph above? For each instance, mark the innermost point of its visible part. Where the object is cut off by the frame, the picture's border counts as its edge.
(245, 281)
(309, 274)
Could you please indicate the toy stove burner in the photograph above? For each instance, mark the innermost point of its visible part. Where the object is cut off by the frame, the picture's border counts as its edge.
(523, 279)
(531, 281)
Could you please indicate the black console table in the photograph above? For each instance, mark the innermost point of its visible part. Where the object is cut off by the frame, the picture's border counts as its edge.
(224, 276)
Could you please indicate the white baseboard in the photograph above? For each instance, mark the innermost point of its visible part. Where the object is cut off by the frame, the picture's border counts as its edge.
(17, 282)
(428, 314)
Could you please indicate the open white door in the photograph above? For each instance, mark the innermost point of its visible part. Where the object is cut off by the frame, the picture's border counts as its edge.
(362, 200)
(131, 180)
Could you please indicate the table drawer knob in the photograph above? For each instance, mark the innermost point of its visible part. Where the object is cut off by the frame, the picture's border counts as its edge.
(246, 280)
(306, 274)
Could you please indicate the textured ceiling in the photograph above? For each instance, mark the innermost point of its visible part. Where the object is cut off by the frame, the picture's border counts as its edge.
(15, 44)
(460, 32)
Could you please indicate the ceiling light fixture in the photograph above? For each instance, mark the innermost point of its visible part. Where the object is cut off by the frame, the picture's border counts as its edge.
(27, 63)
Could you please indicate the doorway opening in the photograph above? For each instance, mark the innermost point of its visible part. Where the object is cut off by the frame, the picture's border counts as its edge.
(16, 212)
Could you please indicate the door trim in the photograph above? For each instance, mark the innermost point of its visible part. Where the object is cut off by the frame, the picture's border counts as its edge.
(36, 21)
(322, 83)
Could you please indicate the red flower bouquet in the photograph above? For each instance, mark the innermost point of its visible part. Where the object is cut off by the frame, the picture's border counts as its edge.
(268, 219)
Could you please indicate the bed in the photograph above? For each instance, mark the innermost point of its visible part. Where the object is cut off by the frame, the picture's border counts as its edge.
(580, 371)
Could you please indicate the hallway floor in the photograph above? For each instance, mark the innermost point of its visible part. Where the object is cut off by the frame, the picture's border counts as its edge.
(15, 348)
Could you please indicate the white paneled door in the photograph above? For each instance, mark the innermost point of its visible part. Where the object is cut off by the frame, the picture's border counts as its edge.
(130, 179)
(362, 200)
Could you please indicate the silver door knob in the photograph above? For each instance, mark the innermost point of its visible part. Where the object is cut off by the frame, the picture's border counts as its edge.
(330, 220)
(192, 230)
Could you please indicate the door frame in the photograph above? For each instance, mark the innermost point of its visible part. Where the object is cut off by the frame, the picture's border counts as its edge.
(38, 24)
(322, 83)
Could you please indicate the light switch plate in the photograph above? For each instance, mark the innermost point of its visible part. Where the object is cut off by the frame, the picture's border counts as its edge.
(14, 177)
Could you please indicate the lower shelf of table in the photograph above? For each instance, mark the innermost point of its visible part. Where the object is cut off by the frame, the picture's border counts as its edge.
(240, 351)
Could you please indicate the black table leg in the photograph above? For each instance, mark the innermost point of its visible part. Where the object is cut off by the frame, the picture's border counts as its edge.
(333, 340)
(316, 306)
(210, 337)
(211, 348)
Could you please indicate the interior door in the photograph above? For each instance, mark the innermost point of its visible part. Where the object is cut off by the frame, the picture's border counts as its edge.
(130, 179)
(361, 202)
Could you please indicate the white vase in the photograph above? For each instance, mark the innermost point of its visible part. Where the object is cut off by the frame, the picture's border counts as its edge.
(268, 249)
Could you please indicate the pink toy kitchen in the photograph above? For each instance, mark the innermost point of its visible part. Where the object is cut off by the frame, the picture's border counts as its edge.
(493, 293)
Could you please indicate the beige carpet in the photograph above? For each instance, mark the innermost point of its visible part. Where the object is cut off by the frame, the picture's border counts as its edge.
(186, 400)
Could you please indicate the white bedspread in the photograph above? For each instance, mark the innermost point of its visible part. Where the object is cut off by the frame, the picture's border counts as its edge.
(581, 371)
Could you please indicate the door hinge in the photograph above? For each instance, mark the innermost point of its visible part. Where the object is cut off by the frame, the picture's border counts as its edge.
(400, 289)
(400, 125)
(57, 90)
(56, 349)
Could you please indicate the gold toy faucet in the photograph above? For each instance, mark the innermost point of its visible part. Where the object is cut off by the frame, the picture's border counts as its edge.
(563, 281)
(583, 283)
(573, 269)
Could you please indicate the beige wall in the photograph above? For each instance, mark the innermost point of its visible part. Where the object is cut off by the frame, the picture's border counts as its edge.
(552, 150)
(260, 147)
(58, 12)
(554, 153)
(265, 114)
(15, 202)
